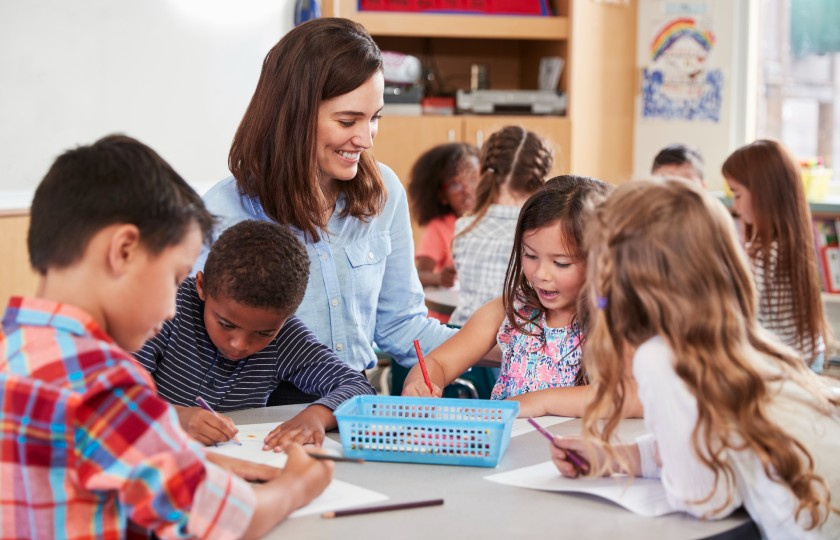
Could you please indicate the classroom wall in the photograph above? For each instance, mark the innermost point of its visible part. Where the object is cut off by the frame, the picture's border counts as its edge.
(177, 74)
(734, 28)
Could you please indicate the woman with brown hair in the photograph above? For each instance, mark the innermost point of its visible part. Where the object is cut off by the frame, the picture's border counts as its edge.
(302, 156)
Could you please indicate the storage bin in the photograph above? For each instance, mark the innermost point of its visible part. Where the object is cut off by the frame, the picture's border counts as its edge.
(442, 431)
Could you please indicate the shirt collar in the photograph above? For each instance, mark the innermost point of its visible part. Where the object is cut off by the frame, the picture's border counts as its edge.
(47, 313)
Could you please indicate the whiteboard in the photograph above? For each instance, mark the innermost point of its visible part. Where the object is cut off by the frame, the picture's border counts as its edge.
(176, 74)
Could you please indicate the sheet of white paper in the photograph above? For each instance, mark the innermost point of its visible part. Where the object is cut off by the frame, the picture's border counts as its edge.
(340, 495)
(252, 436)
(521, 425)
(337, 496)
(644, 496)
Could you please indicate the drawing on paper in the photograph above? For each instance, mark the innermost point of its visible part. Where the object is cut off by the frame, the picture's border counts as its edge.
(678, 83)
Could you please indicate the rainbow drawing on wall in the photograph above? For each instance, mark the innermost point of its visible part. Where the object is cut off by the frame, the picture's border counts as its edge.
(678, 84)
(677, 29)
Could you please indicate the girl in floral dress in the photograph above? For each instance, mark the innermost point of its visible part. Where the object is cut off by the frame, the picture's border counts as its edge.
(536, 323)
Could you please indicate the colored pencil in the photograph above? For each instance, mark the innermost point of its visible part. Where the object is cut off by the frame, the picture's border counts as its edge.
(423, 365)
(206, 406)
(382, 508)
(340, 459)
(580, 464)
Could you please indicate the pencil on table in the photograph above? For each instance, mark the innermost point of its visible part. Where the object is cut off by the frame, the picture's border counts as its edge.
(329, 457)
(382, 508)
(423, 365)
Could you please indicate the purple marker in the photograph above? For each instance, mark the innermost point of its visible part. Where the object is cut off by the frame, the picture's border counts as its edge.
(206, 406)
(580, 464)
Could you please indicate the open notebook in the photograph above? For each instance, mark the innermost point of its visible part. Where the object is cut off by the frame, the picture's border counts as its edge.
(337, 496)
(644, 496)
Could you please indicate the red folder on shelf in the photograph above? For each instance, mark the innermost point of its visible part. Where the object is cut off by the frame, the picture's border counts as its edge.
(830, 262)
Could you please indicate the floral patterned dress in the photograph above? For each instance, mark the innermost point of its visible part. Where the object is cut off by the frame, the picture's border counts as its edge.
(548, 359)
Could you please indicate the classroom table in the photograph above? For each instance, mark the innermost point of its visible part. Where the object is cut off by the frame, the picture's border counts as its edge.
(477, 509)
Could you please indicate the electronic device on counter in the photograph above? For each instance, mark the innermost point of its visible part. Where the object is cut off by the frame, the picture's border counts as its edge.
(511, 101)
(399, 68)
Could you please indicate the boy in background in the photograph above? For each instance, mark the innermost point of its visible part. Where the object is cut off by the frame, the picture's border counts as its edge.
(235, 338)
(681, 161)
(86, 442)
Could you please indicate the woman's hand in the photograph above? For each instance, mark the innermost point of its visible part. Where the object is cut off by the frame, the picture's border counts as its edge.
(204, 426)
(307, 427)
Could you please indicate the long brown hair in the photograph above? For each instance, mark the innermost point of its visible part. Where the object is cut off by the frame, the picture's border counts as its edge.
(663, 260)
(560, 202)
(781, 216)
(512, 156)
(273, 155)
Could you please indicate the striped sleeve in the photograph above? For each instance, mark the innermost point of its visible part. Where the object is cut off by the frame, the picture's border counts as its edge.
(315, 369)
(153, 350)
(128, 440)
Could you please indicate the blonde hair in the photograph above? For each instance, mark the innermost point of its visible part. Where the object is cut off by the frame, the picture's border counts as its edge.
(664, 260)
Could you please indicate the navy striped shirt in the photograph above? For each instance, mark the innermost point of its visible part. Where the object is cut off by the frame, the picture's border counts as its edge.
(185, 364)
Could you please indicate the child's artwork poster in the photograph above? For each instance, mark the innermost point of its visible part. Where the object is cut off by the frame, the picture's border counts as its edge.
(681, 80)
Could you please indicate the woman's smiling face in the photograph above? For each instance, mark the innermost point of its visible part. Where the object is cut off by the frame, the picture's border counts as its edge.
(347, 125)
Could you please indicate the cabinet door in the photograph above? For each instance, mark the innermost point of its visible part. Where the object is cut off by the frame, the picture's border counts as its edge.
(554, 128)
(401, 139)
(18, 276)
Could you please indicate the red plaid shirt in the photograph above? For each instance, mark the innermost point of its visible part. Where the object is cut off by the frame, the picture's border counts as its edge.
(86, 444)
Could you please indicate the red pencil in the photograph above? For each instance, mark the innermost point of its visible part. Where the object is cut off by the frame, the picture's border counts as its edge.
(423, 365)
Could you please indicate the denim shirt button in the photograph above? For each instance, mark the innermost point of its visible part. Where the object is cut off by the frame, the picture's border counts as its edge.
(339, 347)
(324, 256)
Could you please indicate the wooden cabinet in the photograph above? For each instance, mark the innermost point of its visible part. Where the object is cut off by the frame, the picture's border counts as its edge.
(511, 47)
(16, 276)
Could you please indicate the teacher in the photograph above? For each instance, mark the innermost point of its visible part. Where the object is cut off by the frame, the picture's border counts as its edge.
(302, 157)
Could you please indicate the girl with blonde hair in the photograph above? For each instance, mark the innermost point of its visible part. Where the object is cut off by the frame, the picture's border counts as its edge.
(735, 417)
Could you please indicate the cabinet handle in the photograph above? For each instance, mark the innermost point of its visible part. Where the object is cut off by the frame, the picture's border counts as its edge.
(479, 137)
(450, 135)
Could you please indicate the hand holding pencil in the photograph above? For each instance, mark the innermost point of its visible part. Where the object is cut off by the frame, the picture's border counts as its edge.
(566, 452)
(414, 385)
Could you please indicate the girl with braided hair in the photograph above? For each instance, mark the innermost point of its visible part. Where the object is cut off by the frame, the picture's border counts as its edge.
(537, 322)
(735, 416)
(514, 163)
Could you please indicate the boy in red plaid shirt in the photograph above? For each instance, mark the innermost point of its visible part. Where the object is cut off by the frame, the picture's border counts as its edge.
(85, 442)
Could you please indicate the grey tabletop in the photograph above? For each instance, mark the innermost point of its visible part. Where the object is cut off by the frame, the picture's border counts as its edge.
(480, 509)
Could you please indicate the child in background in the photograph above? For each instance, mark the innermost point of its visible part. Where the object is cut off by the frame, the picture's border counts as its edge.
(514, 164)
(536, 323)
(235, 338)
(681, 161)
(87, 443)
(736, 418)
(442, 189)
(778, 233)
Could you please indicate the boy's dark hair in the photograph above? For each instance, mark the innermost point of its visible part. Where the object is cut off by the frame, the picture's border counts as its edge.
(117, 179)
(259, 264)
(679, 154)
(428, 175)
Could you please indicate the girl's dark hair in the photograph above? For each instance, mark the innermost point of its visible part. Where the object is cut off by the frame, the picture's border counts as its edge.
(429, 174)
(562, 201)
(258, 264)
(273, 155)
(781, 215)
(115, 180)
(512, 156)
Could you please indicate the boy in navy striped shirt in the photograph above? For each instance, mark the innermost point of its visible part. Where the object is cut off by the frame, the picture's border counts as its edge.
(235, 338)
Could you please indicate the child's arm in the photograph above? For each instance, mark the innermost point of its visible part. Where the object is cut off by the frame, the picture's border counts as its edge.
(314, 369)
(301, 480)
(572, 400)
(458, 353)
(430, 278)
(204, 426)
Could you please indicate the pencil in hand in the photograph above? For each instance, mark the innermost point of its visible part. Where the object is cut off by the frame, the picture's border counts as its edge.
(577, 460)
(423, 365)
(206, 406)
(382, 508)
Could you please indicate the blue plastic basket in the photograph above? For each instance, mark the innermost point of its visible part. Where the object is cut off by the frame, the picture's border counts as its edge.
(426, 430)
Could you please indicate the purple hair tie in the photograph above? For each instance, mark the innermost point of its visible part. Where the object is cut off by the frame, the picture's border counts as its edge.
(601, 302)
